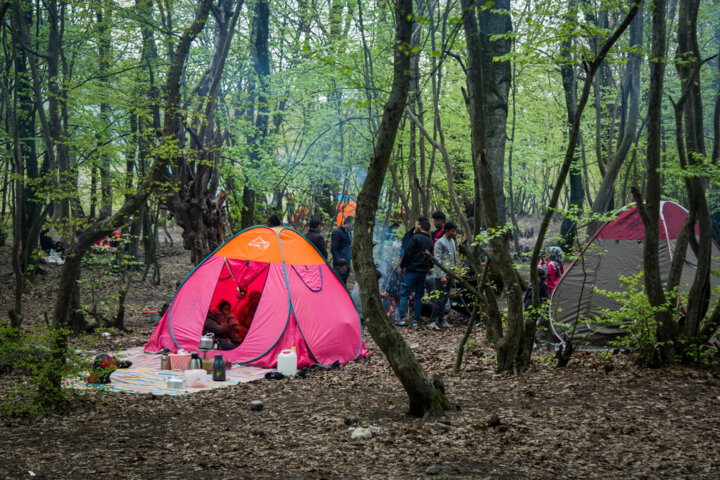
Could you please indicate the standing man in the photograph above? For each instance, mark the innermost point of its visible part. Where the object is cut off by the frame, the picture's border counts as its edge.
(316, 237)
(445, 254)
(439, 223)
(340, 245)
(408, 235)
(413, 268)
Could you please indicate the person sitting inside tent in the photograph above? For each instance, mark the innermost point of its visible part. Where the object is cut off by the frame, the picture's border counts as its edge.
(223, 325)
(241, 324)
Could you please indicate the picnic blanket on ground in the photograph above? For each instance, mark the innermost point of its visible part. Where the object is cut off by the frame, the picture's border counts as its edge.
(144, 376)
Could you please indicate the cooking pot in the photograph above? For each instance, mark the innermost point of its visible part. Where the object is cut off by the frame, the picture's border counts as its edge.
(206, 341)
(175, 382)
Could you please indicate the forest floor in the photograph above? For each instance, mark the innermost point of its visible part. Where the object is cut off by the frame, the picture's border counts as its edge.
(601, 417)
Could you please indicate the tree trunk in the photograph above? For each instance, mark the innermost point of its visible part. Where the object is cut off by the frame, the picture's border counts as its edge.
(16, 314)
(56, 98)
(417, 145)
(194, 201)
(631, 105)
(496, 80)
(424, 397)
(688, 63)
(567, 72)
(715, 214)
(29, 103)
(650, 210)
(104, 52)
(515, 347)
(260, 53)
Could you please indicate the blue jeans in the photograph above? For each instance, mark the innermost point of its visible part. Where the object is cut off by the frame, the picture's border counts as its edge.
(412, 283)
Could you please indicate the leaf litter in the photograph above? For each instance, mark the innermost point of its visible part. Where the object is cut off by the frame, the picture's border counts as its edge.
(597, 418)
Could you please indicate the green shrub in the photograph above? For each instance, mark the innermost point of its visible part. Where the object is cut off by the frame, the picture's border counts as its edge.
(43, 358)
(637, 317)
(13, 347)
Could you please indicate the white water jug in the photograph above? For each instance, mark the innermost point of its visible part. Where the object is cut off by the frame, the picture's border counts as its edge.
(287, 362)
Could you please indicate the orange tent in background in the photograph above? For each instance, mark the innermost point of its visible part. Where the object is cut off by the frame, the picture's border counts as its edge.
(345, 208)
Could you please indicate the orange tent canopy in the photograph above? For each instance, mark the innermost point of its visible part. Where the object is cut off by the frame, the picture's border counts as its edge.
(262, 245)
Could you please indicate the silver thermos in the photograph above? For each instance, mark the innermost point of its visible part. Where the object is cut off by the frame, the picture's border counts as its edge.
(195, 362)
(165, 360)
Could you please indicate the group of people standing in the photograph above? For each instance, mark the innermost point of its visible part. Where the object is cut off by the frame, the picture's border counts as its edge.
(418, 248)
(416, 271)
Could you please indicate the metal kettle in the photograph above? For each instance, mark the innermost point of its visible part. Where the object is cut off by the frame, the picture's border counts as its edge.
(206, 341)
(175, 382)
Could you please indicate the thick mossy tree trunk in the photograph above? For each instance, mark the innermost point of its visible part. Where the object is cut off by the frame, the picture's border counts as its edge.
(425, 398)
(194, 200)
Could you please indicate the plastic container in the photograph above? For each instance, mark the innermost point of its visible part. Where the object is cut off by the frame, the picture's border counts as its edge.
(195, 378)
(287, 362)
(175, 383)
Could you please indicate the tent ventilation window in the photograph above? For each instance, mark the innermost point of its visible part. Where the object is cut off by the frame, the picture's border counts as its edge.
(311, 278)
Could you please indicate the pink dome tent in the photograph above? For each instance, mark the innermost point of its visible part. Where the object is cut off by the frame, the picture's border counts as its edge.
(300, 302)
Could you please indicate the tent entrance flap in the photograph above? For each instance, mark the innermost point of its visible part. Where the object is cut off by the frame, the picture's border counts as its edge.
(240, 283)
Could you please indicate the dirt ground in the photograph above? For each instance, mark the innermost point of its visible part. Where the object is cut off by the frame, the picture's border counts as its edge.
(597, 418)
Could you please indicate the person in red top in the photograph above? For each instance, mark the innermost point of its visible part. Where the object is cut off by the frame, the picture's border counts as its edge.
(439, 224)
(554, 267)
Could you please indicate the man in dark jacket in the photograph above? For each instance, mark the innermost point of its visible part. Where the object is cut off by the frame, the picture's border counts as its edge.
(408, 235)
(316, 237)
(340, 243)
(414, 265)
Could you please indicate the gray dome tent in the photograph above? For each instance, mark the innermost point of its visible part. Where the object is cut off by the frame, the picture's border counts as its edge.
(616, 249)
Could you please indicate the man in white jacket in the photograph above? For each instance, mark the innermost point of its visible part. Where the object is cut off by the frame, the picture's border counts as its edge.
(445, 254)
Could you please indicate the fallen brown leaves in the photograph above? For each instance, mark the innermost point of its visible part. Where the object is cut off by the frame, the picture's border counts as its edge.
(598, 418)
